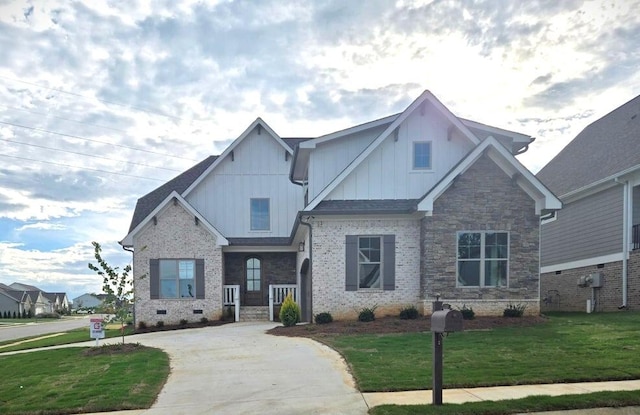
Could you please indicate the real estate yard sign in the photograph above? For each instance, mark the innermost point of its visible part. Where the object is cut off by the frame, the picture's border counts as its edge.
(96, 329)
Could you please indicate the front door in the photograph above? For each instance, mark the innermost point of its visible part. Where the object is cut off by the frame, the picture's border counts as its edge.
(254, 283)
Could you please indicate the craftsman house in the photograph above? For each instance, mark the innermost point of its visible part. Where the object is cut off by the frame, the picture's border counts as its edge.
(389, 213)
(590, 254)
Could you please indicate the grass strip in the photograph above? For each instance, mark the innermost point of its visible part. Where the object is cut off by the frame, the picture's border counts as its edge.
(79, 380)
(68, 337)
(514, 406)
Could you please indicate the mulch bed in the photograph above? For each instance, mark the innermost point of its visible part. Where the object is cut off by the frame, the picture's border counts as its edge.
(386, 325)
(168, 327)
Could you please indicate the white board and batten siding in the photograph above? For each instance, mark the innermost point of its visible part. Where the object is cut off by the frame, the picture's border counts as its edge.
(387, 173)
(330, 158)
(258, 170)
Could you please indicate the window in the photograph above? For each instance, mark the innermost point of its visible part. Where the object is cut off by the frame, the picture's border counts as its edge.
(253, 274)
(177, 278)
(422, 155)
(369, 262)
(483, 259)
(260, 215)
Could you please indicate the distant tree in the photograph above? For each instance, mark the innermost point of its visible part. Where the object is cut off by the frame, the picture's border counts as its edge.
(29, 313)
(116, 285)
(24, 313)
(5, 314)
(14, 314)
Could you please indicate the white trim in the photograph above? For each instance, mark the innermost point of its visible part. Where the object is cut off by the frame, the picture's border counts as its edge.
(258, 122)
(596, 186)
(543, 197)
(426, 96)
(582, 263)
(352, 130)
(553, 218)
(220, 239)
(521, 138)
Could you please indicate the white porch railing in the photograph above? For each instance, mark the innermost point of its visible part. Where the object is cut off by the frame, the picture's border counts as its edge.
(277, 294)
(231, 296)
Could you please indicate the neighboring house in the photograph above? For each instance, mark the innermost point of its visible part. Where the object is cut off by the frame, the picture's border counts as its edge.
(389, 213)
(591, 249)
(39, 302)
(14, 301)
(88, 301)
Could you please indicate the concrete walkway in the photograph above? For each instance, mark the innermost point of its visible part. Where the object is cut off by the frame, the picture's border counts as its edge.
(239, 369)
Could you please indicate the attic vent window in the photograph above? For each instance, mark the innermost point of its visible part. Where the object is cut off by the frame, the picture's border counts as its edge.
(422, 155)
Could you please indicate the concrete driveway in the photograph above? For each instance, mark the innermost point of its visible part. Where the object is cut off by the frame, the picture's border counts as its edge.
(239, 369)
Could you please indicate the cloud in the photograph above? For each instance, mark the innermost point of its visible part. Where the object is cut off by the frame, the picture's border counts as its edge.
(42, 226)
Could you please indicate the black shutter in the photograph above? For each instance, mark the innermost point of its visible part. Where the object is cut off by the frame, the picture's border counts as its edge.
(199, 278)
(351, 263)
(389, 262)
(154, 279)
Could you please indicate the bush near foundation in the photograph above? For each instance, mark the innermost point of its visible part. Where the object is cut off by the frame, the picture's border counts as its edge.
(367, 314)
(289, 312)
(409, 313)
(323, 318)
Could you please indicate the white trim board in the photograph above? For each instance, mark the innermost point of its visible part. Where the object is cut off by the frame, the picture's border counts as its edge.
(582, 263)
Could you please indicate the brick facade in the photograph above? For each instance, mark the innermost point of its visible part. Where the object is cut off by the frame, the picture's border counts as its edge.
(328, 267)
(483, 198)
(560, 291)
(176, 236)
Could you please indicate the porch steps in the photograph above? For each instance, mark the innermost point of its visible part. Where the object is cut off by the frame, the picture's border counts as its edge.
(254, 313)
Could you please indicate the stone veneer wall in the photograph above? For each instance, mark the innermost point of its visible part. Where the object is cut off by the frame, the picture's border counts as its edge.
(483, 198)
(176, 236)
(328, 287)
(560, 291)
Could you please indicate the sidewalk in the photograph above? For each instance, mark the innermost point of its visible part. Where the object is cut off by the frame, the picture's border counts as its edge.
(496, 393)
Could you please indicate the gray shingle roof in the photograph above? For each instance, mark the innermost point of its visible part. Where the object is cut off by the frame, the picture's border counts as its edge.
(606, 147)
(151, 200)
(293, 142)
(366, 207)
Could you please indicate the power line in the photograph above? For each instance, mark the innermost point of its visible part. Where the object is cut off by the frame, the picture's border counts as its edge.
(62, 118)
(97, 99)
(87, 155)
(81, 168)
(93, 140)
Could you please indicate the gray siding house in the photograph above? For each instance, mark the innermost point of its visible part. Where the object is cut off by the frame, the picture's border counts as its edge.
(590, 254)
(389, 213)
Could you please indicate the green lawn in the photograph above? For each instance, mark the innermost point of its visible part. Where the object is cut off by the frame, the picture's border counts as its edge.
(67, 381)
(514, 406)
(568, 348)
(72, 336)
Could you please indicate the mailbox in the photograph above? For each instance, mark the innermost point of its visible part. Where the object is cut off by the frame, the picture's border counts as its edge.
(445, 321)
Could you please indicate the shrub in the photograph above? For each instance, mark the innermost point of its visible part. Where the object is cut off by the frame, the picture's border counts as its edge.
(367, 314)
(29, 314)
(289, 312)
(184, 322)
(142, 325)
(323, 318)
(160, 324)
(467, 313)
(514, 310)
(24, 313)
(204, 320)
(14, 314)
(409, 313)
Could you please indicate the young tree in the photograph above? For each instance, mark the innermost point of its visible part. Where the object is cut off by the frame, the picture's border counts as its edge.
(116, 285)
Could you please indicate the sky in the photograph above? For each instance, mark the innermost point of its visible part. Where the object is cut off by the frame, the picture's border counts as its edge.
(103, 101)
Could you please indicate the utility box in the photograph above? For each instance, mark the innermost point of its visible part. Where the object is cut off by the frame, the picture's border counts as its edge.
(446, 321)
(596, 280)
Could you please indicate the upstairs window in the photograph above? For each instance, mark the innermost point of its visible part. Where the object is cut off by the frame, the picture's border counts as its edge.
(260, 217)
(483, 259)
(422, 155)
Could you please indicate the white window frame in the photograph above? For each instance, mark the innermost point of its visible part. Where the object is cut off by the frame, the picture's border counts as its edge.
(413, 156)
(251, 224)
(482, 259)
(190, 294)
(380, 263)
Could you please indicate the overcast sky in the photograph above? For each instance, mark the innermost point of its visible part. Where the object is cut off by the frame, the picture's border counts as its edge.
(101, 102)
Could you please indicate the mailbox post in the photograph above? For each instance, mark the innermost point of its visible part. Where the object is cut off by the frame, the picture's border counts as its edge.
(442, 321)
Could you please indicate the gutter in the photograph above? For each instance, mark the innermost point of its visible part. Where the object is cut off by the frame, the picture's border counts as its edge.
(626, 194)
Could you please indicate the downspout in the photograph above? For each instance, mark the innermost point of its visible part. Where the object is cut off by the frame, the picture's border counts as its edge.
(625, 239)
(310, 270)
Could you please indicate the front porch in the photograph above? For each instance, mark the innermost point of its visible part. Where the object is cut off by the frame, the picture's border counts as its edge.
(277, 294)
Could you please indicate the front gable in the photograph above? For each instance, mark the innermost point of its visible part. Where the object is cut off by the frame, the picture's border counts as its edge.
(253, 170)
(425, 103)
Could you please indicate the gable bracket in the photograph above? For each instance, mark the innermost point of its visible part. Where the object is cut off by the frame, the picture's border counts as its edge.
(286, 155)
(422, 109)
(155, 220)
(196, 221)
(396, 133)
(175, 201)
(515, 177)
(259, 129)
(450, 131)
